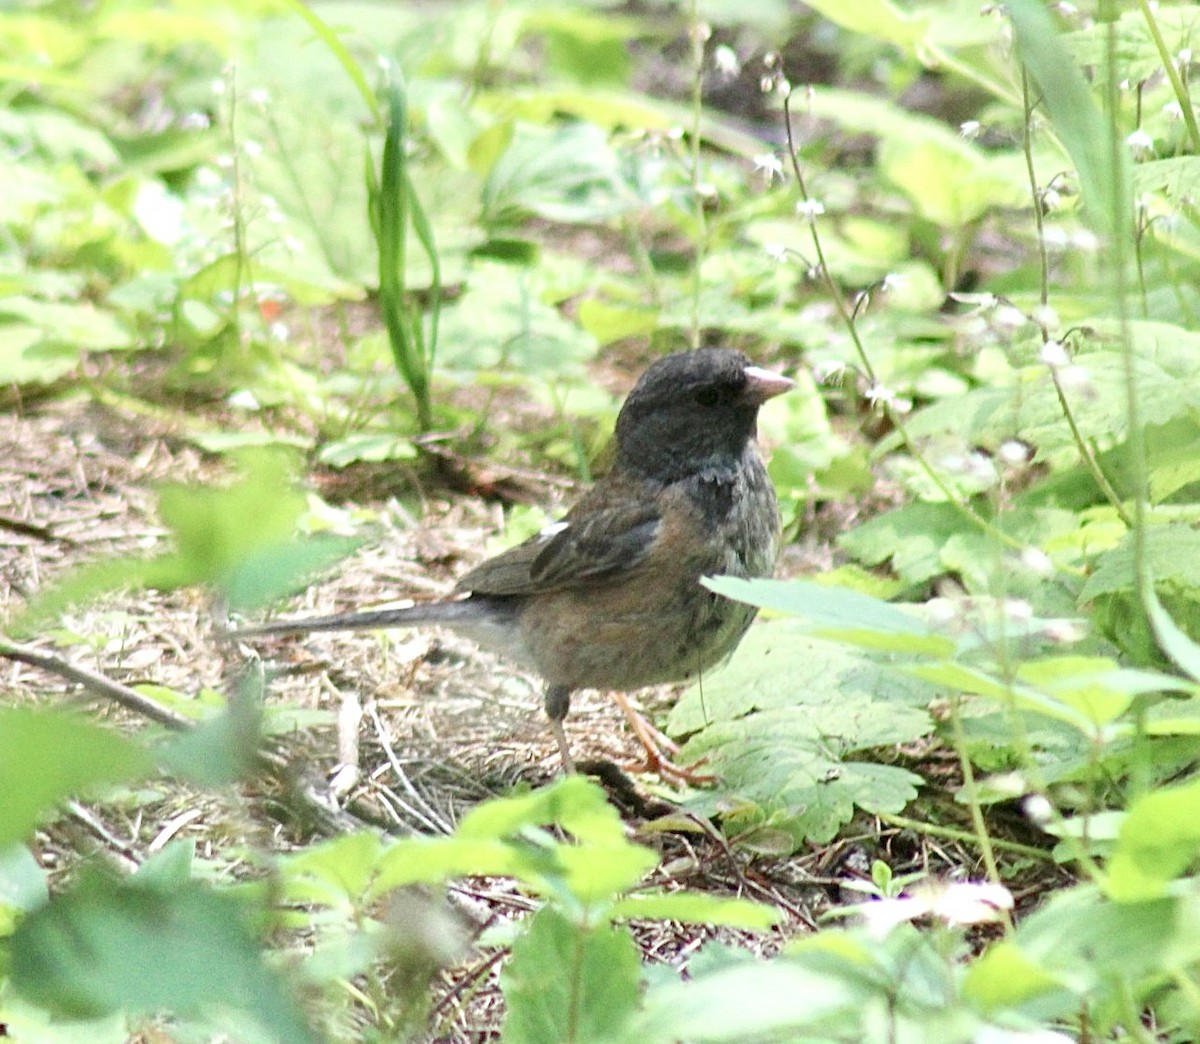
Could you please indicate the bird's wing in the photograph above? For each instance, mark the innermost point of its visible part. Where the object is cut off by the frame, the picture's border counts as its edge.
(585, 546)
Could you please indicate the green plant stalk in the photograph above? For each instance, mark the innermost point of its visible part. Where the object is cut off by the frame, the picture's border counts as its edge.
(1142, 769)
(1177, 85)
(954, 834)
(392, 209)
(982, 837)
(893, 414)
(694, 155)
(345, 59)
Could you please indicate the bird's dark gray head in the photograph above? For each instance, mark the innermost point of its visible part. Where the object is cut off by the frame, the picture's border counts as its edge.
(693, 411)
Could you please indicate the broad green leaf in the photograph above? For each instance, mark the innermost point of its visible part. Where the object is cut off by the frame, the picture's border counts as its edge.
(948, 180)
(879, 20)
(793, 767)
(567, 173)
(1003, 978)
(837, 613)
(780, 666)
(753, 1000)
(1085, 940)
(1159, 839)
(110, 946)
(569, 985)
(335, 873)
(80, 326)
(22, 886)
(1172, 559)
(590, 47)
(501, 322)
(47, 756)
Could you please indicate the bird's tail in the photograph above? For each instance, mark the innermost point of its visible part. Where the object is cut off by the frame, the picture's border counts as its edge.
(411, 616)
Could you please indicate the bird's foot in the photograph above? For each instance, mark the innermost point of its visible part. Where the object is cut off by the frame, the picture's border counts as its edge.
(659, 748)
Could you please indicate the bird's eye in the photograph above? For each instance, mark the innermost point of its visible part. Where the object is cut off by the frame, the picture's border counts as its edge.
(708, 396)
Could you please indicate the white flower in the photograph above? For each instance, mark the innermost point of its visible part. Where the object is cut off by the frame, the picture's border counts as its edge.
(1173, 111)
(810, 209)
(769, 165)
(1046, 317)
(725, 61)
(1055, 237)
(1009, 317)
(970, 129)
(1013, 452)
(960, 903)
(1064, 632)
(1067, 10)
(1037, 809)
(260, 97)
(1037, 561)
(1018, 609)
(243, 400)
(893, 282)
(1140, 143)
(252, 148)
(1075, 378)
(1051, 199)
(1053, 354)
(195, 121)
(777, 252)
(1184, 58)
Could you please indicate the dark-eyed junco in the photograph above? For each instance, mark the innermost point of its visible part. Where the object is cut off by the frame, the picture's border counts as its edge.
(609, 597)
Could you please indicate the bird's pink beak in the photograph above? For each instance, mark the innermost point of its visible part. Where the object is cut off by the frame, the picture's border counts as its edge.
(762, 385)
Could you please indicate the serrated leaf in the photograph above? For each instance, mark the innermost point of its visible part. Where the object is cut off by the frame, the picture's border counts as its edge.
(780, 665)
(791, 764)
(569, 985)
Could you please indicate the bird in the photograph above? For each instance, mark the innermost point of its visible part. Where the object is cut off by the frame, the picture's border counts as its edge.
(609, 596)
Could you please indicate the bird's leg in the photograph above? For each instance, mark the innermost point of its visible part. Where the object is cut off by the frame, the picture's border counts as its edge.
(659, 748)
(557, 702)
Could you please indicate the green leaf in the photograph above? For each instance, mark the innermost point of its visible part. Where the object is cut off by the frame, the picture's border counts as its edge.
(591, 47)
(1003, 978)
(567, 984)
(780, 666)
(776, 727)
(1104, 174)
(48, 756)
(111, 946)
(1159, 839)
(567, 173)
(697, 908)
(22, 886)
(755, 1000)
(502, 322)
(837, 613)
(1172, 559)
